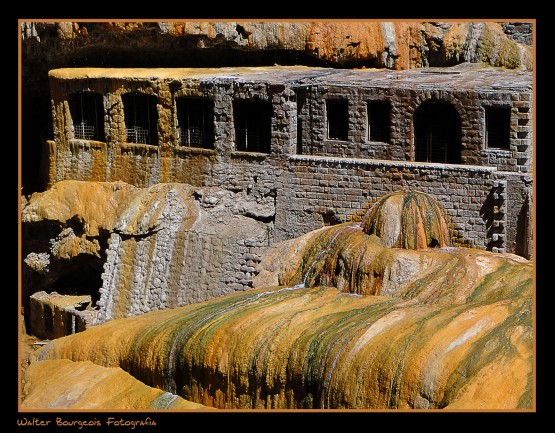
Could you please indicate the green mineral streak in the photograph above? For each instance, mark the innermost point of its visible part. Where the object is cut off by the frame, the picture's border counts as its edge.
(526, 400)
(494, 346)
(508, 55)
(309, 366)
(518, 279)
(427, 285)
(419, 213)
(485, 46)
(322, 343)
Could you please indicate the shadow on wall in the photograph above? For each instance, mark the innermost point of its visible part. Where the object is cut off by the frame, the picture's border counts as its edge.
(486, 212)
(524, 230)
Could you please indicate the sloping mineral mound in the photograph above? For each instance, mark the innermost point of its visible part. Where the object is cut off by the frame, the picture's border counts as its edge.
(349, 323)
(63, 384)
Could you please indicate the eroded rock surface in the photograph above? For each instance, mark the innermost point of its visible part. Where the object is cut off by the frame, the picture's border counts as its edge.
(134, 250)
(395, 45)
(440, 328)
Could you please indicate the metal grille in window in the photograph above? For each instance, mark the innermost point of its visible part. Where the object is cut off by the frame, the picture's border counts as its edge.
(498, 127)
(195, 122)
(137, 134)
(337, 113)
(379, 121)
(140, 118)
(253, 124)
(84, 131)
(87, 115)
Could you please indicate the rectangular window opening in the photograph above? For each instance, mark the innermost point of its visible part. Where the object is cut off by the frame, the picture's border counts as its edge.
(379, 124)
(253, 125)
(141, 118)
(337, 115)
(498, 127)
(195, 122)
(87, 115)
(48, 319)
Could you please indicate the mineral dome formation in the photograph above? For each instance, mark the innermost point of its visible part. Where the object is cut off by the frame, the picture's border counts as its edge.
(379, 313)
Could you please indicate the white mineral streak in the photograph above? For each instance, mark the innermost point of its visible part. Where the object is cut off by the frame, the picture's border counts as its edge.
(390, 52)
(110, 279)
(168, 249)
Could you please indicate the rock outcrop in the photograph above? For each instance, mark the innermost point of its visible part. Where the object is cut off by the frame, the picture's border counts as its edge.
(133, 250)
(394, 45)
(436, 328)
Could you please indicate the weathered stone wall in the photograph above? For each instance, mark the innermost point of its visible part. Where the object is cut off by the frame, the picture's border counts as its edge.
(145, 165)
(325, 190)
(520, 218)
(519, 156)
(397, 45)
(54, 315)
(404, 103)
(179, 263)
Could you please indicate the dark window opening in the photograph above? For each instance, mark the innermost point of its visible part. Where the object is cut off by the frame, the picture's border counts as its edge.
(379, 121)
(253, 125)
(70, 322)
(87, 280)
(141, 118)
(48, 318)
(87, 115)
(498, 127)
(437, 133)
(195, 125)
(337, 115)
(300, 136)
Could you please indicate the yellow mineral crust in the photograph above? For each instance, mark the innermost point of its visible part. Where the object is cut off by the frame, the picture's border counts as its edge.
(397, 45)
(63, 384)
(338, 319)
(294, 347)
(95, 203)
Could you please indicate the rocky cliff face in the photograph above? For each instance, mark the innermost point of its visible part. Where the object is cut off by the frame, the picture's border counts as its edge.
(395, 45)
(352, 324)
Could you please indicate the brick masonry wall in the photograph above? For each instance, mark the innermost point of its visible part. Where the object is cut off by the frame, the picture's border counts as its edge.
(324, 190)
(404, 103)
(144, 165)
(327, 190)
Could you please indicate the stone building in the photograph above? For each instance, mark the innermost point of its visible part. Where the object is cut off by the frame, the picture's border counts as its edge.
(322, 142)
(294, 148)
